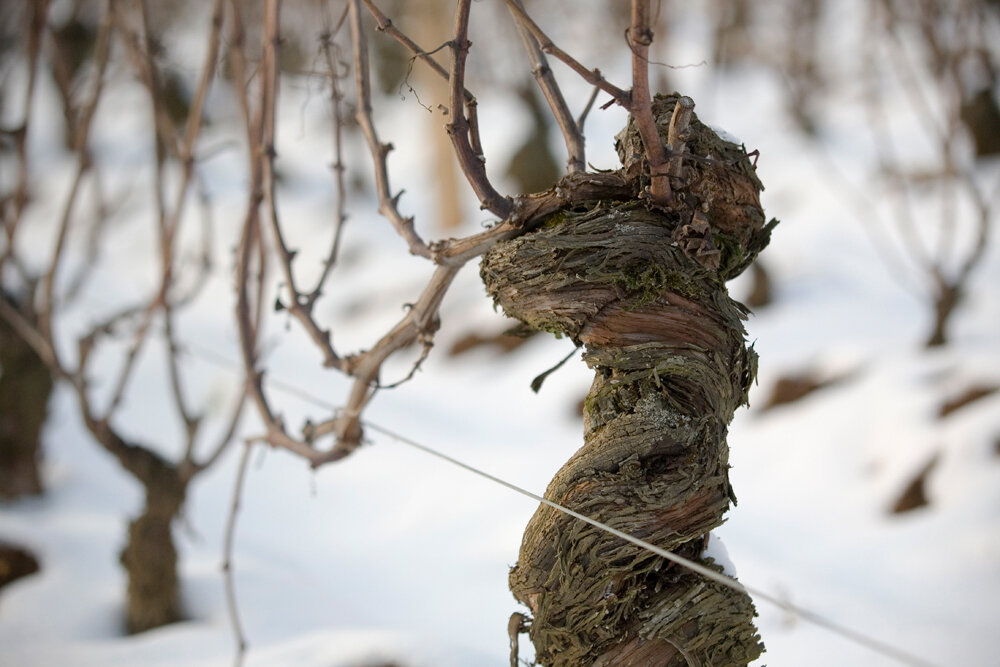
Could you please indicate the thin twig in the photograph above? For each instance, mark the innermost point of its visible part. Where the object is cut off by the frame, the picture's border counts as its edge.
(388, 203)
(572, 134)
(227, 562)
(297, 305)
(582, 118)
(165, 133)
(640, 36)
(887, 156)
(863, 207)
(39, 13)
(172, 221)
(386, 25)
(189, 466)
(248, 327)
(82, 134)
(238, 62)
(248, 309)
(419, 324)
(30, 334)
(593, 77)
(141, 50)
(985, 205)
(331, 51)
(473, 163)
(103, 211)
(191, 421)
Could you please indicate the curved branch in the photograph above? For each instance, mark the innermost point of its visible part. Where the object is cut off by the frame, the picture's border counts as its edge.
(387, 203)
(227, 550)
(386, 25)
(36, 27)
(572, 135)
(81, 134)
(298, 306)
(473, 162)
(593, 77)
(248, 315)
(420, 322)
(640, 36)
(530, 209)
(329, 47)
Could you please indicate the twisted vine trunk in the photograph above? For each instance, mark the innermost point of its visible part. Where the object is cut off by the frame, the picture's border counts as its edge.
(643, 289)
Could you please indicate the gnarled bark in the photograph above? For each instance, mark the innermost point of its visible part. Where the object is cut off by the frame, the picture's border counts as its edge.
(643, 289)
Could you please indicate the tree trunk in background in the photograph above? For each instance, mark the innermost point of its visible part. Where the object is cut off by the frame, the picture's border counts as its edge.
(15, 562)
(150, 558)
(946, 299)
(644, 290)
(25, 385)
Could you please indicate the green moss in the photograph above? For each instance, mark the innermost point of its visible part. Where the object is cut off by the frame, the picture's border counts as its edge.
(646, 283)
(555, 220)
(553, 329)
(733, 260)
(738, 255)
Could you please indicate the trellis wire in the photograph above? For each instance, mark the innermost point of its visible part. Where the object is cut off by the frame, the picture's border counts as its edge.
(847, 633)
(850, 634)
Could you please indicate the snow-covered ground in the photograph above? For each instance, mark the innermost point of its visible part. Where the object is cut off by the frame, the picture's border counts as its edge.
(392, 555)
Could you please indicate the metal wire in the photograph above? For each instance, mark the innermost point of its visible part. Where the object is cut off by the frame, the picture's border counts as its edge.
(849, 634)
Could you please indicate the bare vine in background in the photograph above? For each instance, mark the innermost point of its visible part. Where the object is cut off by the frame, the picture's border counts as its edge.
(647, 301)
(47, 286)
(956, 54)
(933, 158)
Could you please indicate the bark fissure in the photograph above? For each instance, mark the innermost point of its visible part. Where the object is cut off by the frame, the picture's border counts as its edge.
(642, 287)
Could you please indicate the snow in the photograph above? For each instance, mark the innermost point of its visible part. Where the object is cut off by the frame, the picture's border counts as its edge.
(393, 555)
(716, 550)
